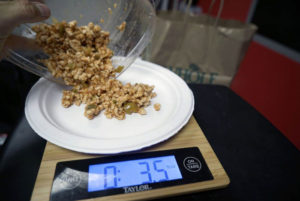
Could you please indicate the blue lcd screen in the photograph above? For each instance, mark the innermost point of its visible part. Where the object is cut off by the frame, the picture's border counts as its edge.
(132, 172)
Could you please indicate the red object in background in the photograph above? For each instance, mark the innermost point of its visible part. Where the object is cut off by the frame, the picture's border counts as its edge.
(270, 82)
(267, 80)
(233, 9)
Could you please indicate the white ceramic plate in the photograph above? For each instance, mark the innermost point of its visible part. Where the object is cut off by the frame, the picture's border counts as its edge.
(69, 128)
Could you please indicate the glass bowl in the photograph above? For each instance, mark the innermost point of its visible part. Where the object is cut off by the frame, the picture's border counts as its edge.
(127, 45)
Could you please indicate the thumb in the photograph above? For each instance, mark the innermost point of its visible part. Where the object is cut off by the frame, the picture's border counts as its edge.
(14, 13)
(26, 12)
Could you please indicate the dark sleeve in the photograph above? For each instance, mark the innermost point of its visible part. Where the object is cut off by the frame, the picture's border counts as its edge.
(15, 83)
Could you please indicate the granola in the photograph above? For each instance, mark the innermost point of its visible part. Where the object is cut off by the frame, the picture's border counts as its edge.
(81, 57)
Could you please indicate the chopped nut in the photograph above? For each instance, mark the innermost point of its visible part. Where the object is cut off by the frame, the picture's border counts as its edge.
(122, 26)
(142, 111)
(73, 23)
(97, 28)
(91, 25)
(156, 106)
(109, 10)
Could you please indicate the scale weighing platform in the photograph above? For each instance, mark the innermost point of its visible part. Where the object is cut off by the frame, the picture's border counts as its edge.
(183, 164)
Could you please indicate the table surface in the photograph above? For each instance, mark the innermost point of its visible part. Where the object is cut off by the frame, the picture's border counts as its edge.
(260, 162)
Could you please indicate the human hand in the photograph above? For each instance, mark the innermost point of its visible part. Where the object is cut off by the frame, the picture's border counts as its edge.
(13, 13)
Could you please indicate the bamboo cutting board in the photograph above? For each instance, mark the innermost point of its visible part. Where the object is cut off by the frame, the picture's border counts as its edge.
(190, 136)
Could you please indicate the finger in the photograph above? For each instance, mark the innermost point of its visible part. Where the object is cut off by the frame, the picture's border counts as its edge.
(19, 43)
(31, 12)
(17, 12)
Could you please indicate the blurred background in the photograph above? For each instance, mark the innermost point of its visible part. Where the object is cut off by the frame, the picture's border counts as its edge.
(266, 75)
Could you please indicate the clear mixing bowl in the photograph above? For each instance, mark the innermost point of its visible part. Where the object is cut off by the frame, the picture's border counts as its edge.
(127, 45)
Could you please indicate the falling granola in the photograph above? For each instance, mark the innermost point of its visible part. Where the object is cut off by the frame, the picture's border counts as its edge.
(81, 57)
(122, 26)
(109, 11)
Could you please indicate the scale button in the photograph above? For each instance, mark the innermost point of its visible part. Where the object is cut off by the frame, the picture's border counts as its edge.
(192, 164)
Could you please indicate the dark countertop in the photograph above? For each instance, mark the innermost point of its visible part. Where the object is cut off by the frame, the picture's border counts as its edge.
(260, 162)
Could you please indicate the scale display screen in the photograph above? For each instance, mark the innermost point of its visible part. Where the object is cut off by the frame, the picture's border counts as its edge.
(128, 173)
(133, 172)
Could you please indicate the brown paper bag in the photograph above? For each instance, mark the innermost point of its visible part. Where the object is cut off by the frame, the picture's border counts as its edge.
(200, 49)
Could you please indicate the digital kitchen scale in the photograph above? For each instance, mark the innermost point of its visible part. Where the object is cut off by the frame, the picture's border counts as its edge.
(183, 164)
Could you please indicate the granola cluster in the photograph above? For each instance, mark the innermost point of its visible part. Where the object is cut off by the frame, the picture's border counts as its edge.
(80, 56)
